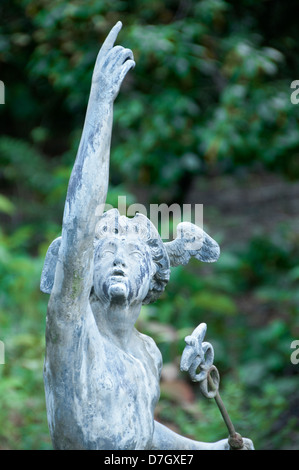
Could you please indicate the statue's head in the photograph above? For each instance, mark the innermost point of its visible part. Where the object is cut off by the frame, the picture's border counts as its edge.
(130, 259)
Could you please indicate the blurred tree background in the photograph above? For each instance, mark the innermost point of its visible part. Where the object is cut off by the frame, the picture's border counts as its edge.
(205, 117)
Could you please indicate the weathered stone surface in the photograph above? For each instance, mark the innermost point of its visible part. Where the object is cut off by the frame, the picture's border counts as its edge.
(101, 375)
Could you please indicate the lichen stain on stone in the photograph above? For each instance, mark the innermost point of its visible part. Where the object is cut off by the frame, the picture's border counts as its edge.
(76, 285)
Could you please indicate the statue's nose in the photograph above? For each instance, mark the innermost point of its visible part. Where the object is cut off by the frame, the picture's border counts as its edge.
(119, 259)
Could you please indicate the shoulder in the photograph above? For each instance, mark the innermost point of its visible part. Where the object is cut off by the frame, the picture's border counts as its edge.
(151, 350)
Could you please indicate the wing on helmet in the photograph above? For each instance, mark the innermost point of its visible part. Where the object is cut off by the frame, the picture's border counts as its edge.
(191, 241)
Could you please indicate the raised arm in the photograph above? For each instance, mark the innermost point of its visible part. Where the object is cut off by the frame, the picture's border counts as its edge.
(88, 183)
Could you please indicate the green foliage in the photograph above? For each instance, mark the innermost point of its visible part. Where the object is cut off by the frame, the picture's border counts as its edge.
(23, 422)
(210, 94)
(252, 353)
(212, 84)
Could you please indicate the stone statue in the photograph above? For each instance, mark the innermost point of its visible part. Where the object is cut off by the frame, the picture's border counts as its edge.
(101, 375)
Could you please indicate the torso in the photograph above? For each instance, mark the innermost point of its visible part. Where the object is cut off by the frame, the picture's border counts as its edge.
(99, 396)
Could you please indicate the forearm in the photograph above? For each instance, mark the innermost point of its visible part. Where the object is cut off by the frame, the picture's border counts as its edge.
(165, 439)
(86, 191)
(89, 179)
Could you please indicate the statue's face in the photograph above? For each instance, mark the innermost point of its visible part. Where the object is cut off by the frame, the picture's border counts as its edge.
(123, 269)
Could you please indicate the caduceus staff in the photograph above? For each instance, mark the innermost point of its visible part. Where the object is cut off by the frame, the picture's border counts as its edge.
(199, 355)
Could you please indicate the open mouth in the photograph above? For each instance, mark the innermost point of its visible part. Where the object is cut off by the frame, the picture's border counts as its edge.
(118, 274)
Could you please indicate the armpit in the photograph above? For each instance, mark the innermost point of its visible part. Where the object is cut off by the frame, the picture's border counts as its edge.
(153, 351)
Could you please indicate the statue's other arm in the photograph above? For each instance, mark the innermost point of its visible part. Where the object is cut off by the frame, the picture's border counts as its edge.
(88, 183)
(165, 439)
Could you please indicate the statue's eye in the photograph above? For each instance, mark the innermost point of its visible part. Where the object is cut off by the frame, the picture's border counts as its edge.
(108, 252)
(137, 254)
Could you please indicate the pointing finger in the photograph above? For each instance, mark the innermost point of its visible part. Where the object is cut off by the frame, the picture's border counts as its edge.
(111, 38)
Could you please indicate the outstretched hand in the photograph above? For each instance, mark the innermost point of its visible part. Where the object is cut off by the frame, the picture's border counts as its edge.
(112, 65)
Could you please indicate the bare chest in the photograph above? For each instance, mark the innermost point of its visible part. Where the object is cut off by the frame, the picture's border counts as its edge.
(108, 395)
